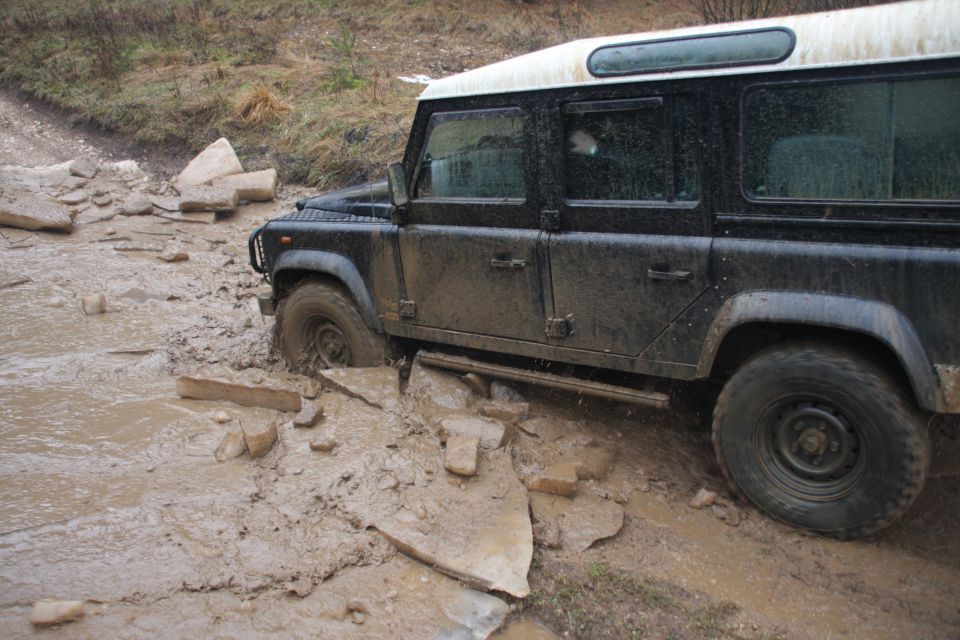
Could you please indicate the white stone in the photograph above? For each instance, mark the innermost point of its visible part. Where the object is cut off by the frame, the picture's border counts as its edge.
(492, 434)
(231, 446)
(461, 455)
(49, 612)
(260, 186)
(94, 304)
(218, 159)
(259, 438)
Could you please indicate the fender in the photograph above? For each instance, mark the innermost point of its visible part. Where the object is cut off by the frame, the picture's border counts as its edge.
(336, 265)
(876, 319)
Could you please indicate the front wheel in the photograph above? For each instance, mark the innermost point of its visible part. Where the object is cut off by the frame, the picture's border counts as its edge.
(319, 327)
(821, 438)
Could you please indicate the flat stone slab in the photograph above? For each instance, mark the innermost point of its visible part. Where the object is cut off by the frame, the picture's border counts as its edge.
(559, 479)
(438, 389)
(244, 393)
(582, 520)
(34, 213)
(377, 386)
(492, 434)
(208, 199)
(481, 534)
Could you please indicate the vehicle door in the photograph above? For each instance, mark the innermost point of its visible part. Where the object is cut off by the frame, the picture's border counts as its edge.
(470, 247)
(632, 250)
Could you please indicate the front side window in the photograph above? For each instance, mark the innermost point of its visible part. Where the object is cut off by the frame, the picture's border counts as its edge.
(473, 155)
(631, 150)
(893, 140)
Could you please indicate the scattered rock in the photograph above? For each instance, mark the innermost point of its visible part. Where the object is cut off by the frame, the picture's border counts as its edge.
(128, 170)
(73, 182)
(167, 203)
(309, 414)
(50, 612)
(221, 417)
(461, 455)
(388, 483)
(581, 520)
(102, 201)
(357, 618)
(92, 215)
(140, 295)
(243, 393)
(492, 434)
(728, 513)
(323, 441)
(510, 412)
(32, 212)
(438, 389)
(593, 463)
(478, 384)
(231, 446)
(136, 204)
(485, 541)
(196, 217)
(218, 159)
(559, 479)
(704, 498)
(357, 605)
(546, 534)
(174, 255)
(74, 197)
(94, 304)
(207, 199)
(83, 167)
(260, 186)
(500, 391)
(259, 438)
(377, 386)
(546, 429)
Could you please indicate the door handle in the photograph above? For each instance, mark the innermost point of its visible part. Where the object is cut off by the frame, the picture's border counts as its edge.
(654, 274)
(509, 263)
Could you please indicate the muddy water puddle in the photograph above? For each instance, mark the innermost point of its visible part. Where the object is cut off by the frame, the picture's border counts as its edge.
(112, 494)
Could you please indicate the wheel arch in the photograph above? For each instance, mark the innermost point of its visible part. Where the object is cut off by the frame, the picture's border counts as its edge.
(297, 265)
(752, 321)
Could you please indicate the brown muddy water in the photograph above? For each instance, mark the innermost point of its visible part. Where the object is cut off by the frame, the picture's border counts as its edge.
(111, 493)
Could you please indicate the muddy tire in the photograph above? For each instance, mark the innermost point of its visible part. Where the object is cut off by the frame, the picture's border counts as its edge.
(821, 438)
(319, 327)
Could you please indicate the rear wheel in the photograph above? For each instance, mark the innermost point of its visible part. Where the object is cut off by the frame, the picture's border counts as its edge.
(820, 437)
(319, 327)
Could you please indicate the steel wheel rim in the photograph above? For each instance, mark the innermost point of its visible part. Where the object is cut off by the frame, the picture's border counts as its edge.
(328, 346)
(810, 448)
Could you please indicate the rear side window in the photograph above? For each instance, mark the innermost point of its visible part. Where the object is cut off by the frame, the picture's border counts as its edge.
(476, 154)
(630, 150)
(893, 140)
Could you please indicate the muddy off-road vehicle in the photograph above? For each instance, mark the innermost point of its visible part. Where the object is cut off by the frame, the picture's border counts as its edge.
(772, 205)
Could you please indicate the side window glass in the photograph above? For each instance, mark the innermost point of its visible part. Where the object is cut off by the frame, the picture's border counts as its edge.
(895, 140)
(473, 155)
(631, 150)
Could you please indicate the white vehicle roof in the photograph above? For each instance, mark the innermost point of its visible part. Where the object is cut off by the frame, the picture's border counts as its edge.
(904, 31)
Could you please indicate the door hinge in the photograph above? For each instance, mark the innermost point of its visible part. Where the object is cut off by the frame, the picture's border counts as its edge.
(408, 309)
(550, 220)
(559, 327)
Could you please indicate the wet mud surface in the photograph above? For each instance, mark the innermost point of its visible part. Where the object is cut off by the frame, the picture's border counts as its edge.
(111, 493)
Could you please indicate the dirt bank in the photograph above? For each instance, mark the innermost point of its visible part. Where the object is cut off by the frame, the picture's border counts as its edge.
(111, 493)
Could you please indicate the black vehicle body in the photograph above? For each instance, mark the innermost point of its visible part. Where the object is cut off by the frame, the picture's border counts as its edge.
(706, 279)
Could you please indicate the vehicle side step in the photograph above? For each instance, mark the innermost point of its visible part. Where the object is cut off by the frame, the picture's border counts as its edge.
(586, 387)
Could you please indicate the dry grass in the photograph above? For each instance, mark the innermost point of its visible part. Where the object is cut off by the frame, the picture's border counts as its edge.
(260, 106)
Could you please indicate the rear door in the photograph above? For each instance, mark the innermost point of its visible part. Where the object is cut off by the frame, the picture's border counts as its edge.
(632, 252)
(471, 246)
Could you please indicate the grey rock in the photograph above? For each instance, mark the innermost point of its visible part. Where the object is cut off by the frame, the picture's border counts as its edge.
(84, 167)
